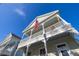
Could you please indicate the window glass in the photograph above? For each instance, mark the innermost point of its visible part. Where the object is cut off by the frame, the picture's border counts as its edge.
(62, 49)
(64, 53)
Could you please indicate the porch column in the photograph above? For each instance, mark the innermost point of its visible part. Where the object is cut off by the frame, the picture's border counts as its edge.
(29, 45)
(24, 53)
(45, 39)
(16, 52)
(45, 45)
(27, 50)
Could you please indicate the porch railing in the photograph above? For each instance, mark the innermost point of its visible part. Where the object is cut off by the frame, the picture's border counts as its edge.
(50, 31)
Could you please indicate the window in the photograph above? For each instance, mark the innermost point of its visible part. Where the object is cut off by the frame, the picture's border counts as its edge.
(42, 52)
(62, 45)
(64, 53)
(63, 50)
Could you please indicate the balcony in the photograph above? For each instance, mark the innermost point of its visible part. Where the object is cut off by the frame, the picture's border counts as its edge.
(52, 30)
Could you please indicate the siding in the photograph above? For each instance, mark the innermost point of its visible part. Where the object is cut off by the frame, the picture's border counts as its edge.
(51, 46)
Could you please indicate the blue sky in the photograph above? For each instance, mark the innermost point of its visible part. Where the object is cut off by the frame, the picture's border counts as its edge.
(15, 17)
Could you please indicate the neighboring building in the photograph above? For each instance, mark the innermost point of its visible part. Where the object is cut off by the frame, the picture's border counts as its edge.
(9, 45)
(53, 37)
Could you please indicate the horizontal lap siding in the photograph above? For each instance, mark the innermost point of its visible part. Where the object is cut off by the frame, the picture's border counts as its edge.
(51, 46)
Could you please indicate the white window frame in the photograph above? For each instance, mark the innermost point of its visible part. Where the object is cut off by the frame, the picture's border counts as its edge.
(67, 48)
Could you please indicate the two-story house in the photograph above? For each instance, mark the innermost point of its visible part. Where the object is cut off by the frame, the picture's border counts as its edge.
(49, 35)
(9, 45)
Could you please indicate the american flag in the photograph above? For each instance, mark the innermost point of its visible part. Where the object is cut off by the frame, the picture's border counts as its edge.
(36, 25)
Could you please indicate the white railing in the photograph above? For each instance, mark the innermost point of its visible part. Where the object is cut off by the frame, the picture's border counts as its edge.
(50, 31)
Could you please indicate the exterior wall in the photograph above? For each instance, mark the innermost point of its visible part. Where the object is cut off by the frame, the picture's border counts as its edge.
(51, 29)
(8, 48)
(15, 42)
(51, 46)
(34, 49)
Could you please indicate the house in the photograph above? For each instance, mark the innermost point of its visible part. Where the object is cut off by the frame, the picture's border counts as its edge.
(52, 36)
(9, 45)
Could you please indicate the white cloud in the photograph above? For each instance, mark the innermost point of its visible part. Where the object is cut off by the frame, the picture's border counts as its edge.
(20, 12)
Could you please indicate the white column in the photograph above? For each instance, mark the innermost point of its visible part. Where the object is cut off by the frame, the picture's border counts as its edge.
(45, 39)
(31, 34)
(16, 52)
(45, 44)
(29, 45)
(27, 50)
(24, 53)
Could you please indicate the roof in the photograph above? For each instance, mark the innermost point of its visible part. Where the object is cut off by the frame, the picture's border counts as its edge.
(40, 19)
(15, 36)
(6, 39)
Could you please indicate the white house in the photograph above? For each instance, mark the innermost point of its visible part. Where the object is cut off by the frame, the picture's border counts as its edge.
(53, 37)
(9, 45)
